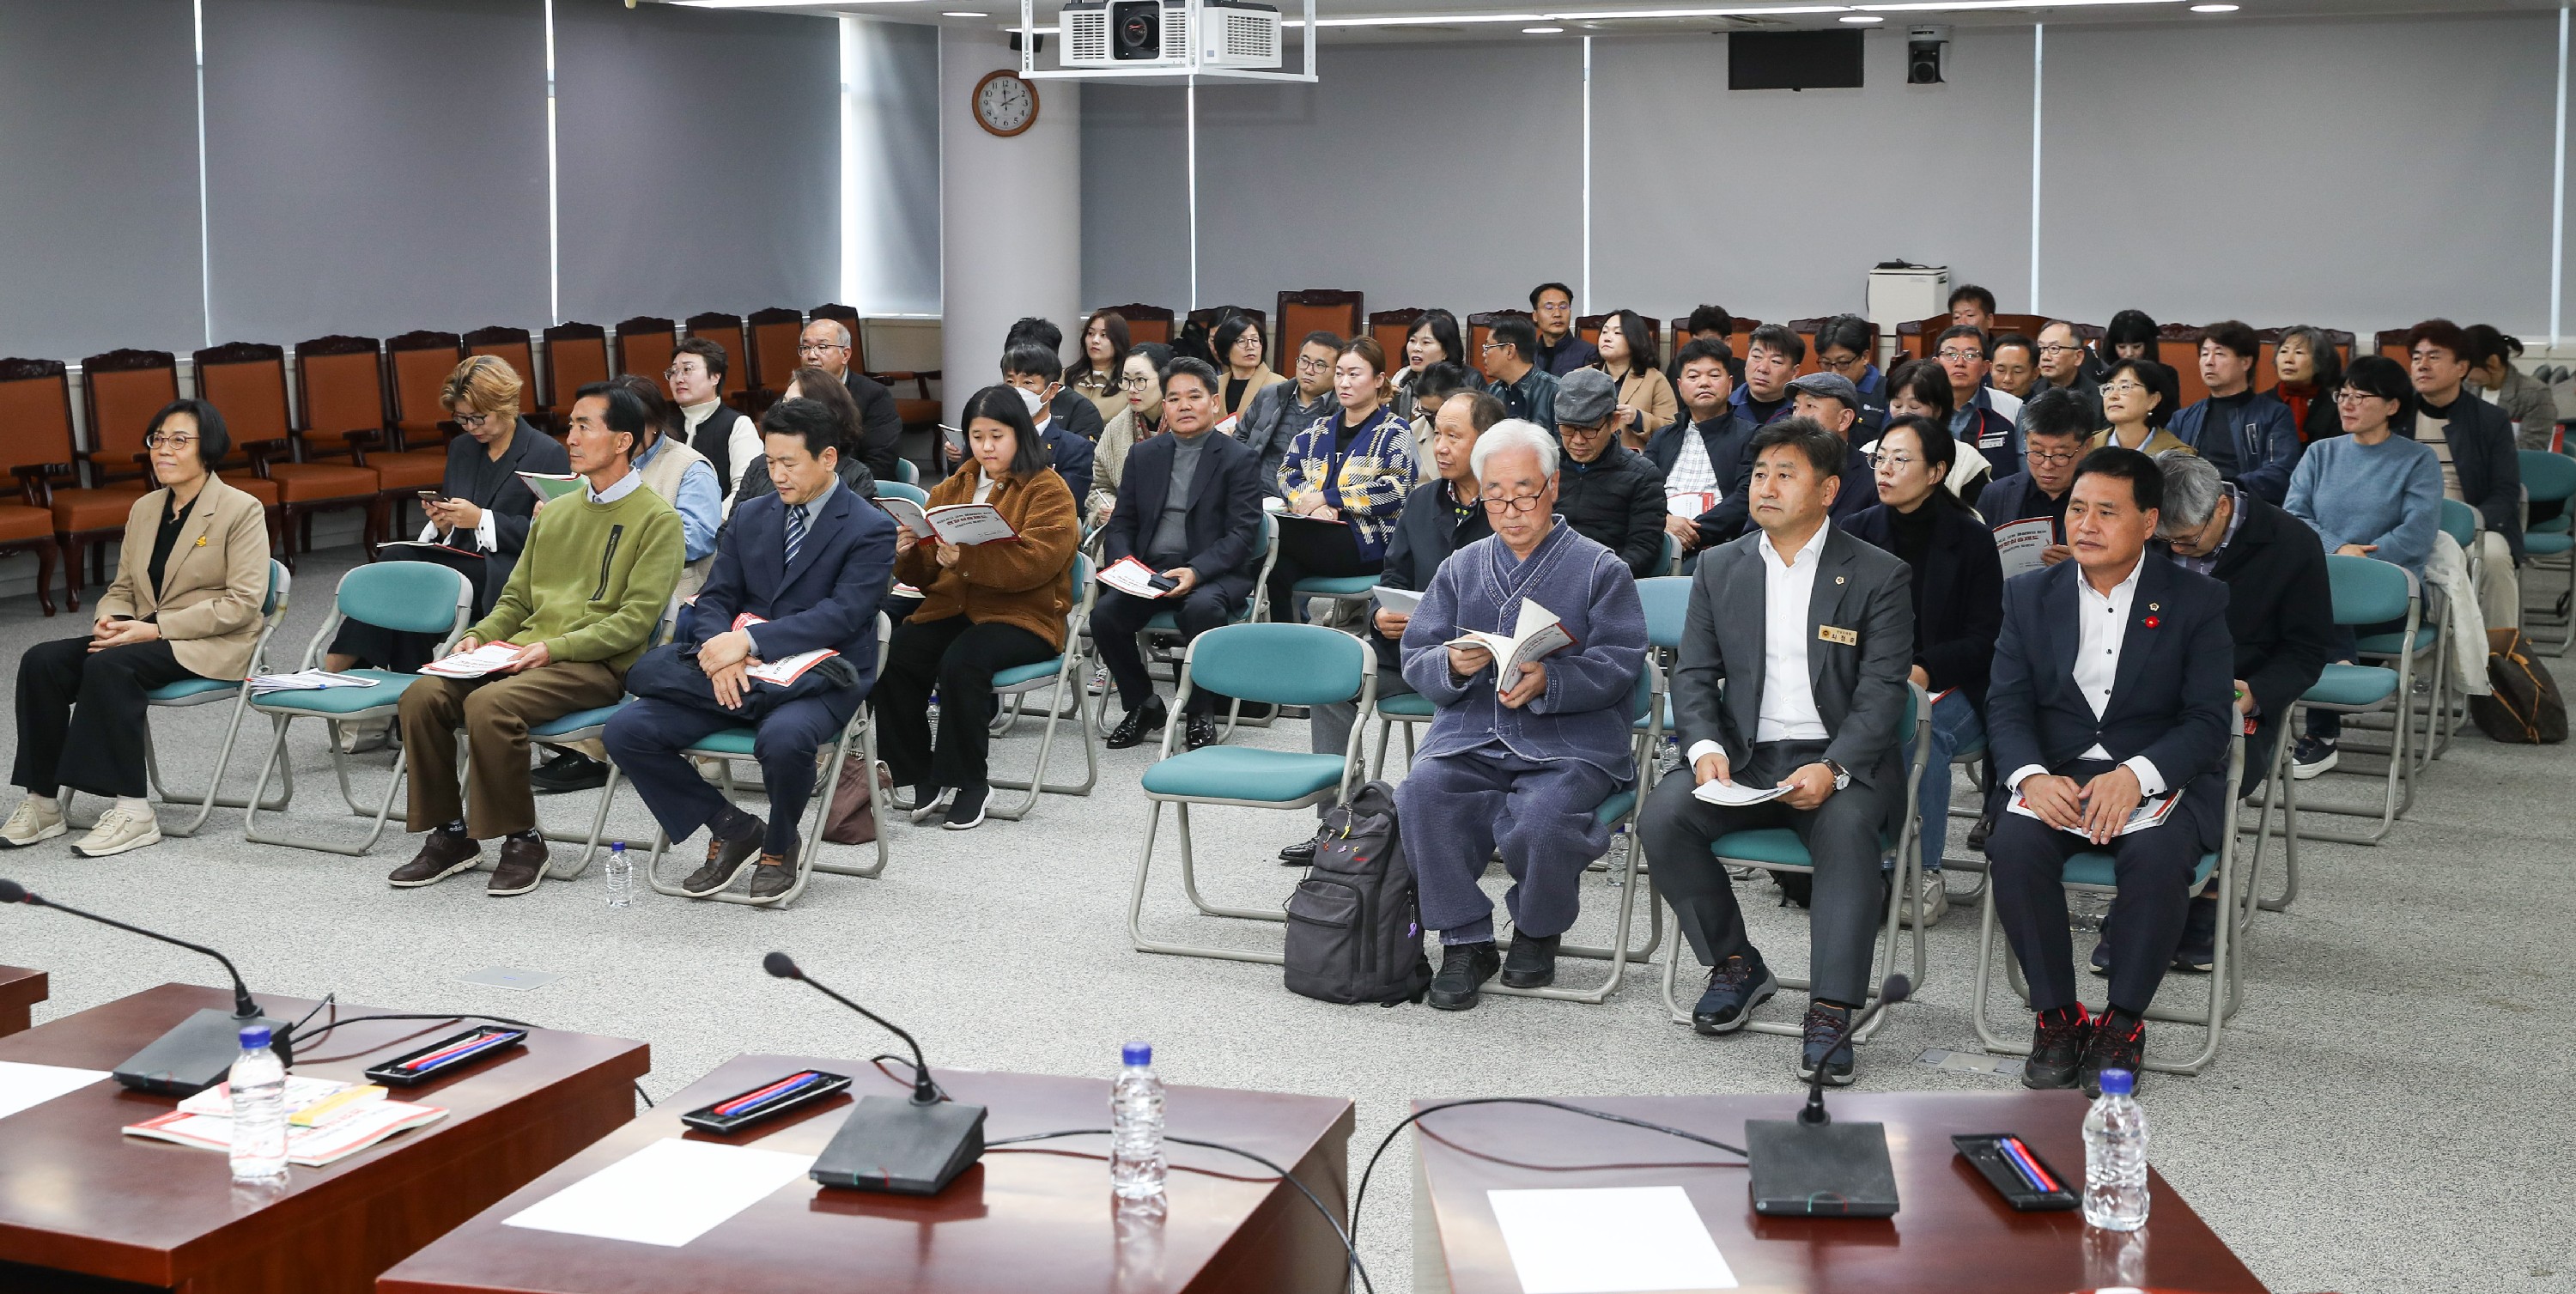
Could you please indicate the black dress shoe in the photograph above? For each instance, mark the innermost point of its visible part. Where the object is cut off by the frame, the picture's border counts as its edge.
(2056, 1049)
(1301, 854)
(1532, 961)
(1464, 968)
(775, 876)
(569, 770)
(1982, 828)
(1202, 731)
(1141, 721)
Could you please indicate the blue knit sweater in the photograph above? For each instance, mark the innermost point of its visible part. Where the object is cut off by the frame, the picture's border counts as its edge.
(2388, 494)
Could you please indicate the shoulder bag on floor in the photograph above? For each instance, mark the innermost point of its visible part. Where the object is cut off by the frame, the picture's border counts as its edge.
(2526, 709)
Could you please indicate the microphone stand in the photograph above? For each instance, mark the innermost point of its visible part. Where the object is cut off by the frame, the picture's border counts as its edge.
(1811, 1166)
(906, 1146)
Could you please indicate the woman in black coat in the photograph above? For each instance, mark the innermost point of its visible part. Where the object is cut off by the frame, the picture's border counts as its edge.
(1958, 607)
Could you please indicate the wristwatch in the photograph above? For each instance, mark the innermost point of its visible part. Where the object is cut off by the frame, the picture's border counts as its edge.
(1842, 775)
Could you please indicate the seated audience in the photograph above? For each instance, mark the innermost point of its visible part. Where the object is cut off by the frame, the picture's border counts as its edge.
(1433, 340)
(820, 387)
(2527, 403)
(1350, 470)
(2246, 434)
(718, 431)
(1609, 493)
(1189, 508)
(1645, 395)
(1844, 346)
(1561, 350)
(1699, 452)
(2110, 687)
(1981, 415)
(1920, 388)
(1516, 765)
(2309, 372)
(807, 563)
(1031, 367)
(1830, 401)
(2130, 335)
(1527, 390)
(599, 566)
(1771, 357)
(2138, 396)
(1440, 517)
(1097, 375)
(1708, 323)
(2480, 465)
(1957, 591)
(1241, 344)
(1437, 385)
(480, 518)
(2052, 446)
(1972, 307)
(2367, 493)
(1141, 387)
(1277, 412)
(2014, 370)
(1066, 409)
(2280, 615)
(825, 344)
(191, 575)
(985, 608)
(1760, 699)
(2063, 362)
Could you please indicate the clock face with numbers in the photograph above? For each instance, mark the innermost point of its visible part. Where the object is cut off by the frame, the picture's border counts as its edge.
(1005, 104)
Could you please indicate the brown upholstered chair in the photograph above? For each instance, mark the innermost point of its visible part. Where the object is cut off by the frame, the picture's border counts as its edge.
(246, 382)
(510, 346)
(726, 331)
(120, 391)
(644, 347)
(1146, 323)
(2392, 343)
(1480, 329)
(1391, 327)
(2178, 348)
(918, 411)
(576, 356)
(1343, 314)
(420, 363)
(774, 334)
(340, 389)
(36, 447)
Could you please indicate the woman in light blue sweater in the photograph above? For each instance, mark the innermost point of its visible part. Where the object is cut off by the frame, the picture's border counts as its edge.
(2367, 494)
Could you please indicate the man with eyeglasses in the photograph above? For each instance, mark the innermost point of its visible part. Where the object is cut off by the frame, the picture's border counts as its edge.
(2063, 362)
(1277, 412)
(2053, 441)
(1560, 349)
(2248, 435)
(2480, 465)
(825, 344)
(1846, 345)
(1509, 358)
(1520, 762)
(1980, 415)
(721, 435)
(1611, 494)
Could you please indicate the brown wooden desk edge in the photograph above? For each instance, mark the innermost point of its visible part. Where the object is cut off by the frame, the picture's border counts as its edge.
(20, 990)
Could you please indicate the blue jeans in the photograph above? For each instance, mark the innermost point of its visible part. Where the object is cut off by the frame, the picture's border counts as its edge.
(1954, 724)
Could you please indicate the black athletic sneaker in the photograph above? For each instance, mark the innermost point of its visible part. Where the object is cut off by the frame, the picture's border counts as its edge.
(1531, 962)
(2119, 1042)
(569, 770)
(1735, 987)
(1824, 1025)
(1464, 968)
(2057, 1049)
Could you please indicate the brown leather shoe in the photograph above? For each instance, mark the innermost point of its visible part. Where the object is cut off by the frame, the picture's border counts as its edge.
(522, 866)
(725, 861)
(441, 856)
(775, 876)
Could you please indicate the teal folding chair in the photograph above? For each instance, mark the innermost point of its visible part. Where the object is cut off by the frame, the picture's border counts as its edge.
(190, 692)
(1339, 590)
(906, 472)
(2096, 872)
(1672, 561)
(730, 744)
(1163, 625)
(2551, 478)
(1061, 678)
(902, 490)
(407, 597)
(576, 729)
(2369, 591)
(1778, 849)
(1282, 664)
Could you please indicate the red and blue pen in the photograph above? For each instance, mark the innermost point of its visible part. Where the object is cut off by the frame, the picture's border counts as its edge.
(779, 1090)
(460, 1051)
(2028, 1165)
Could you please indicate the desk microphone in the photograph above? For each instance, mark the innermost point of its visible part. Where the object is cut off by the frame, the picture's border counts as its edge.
(913, 1146)
(200, 1051)
(1811, 1166)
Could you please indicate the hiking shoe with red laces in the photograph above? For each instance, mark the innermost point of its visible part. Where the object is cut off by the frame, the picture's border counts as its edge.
(2057, 1049)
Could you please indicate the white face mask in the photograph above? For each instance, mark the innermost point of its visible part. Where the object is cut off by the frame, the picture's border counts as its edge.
(1029, 398)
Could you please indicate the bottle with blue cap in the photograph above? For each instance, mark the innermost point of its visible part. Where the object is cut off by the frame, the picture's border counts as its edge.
(257, 1086)
(2115, 1156)
(1136, 1127)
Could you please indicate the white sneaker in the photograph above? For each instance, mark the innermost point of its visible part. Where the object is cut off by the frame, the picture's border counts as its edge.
(119, 830)
(1930, 903)
(32, 822)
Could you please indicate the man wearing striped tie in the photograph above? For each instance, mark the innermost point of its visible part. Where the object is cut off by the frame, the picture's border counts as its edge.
(799, 571)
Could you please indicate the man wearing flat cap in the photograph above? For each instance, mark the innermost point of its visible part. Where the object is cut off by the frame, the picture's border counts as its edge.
(1835, 404)
(1609, 493)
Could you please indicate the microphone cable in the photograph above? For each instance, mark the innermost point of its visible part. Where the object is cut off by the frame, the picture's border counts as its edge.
(297, 1035)
(1360, 1196)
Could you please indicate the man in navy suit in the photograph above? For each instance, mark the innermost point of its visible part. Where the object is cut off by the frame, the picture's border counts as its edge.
(811, 561)
(2111, 686)
(1189, 507)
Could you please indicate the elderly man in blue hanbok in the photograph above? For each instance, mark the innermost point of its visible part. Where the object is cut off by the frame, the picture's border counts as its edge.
(1516, 762)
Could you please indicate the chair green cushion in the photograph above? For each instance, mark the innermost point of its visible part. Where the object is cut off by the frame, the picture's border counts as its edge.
(337, 702)
(1237, 773)
(730, 741)
(1972, 749)
(561, 725)
(2547, 544)
(187, 690)
(1337, 586)
(1023, 675)
(2353, 685)
(1641, 725)
(1407, 705)
(1777, 845)
(2097, 869)
(2391, 644)
(1615, 808)
(2557, 525)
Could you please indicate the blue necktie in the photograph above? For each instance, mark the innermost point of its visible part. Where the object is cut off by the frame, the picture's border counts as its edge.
(795, 533)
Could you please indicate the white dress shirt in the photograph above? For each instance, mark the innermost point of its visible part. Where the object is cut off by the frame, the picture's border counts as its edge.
(625, 485)
(2102, 621)
(1788, 696)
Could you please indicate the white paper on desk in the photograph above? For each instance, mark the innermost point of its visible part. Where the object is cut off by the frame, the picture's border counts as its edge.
(669, 1193)
(24, 1087)
(1735, 794)
(1608, 1240)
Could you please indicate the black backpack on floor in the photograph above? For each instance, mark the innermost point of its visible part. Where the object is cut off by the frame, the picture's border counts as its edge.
(1354, 931)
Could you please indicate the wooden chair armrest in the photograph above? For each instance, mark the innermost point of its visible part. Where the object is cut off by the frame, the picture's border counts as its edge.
(262, 452)
(35, 481)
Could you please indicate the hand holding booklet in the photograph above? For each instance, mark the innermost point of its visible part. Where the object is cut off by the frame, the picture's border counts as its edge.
(786, 669)
(2020, 543)
(1735, 794)
(473, 664)
(2148, 813)
(1535, 633)
(1137, 580)
(951, 523)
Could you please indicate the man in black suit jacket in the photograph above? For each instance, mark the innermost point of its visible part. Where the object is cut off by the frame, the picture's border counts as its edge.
(811, 561)
(1702, 383)
(1189, 508)
(2054, 426)
(825, 344)
(1828, 732)
(2110, 686)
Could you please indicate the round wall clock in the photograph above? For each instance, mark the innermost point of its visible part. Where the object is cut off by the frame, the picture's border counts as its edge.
(1004, 104)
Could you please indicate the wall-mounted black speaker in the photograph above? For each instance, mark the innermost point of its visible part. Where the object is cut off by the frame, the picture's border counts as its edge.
(1793, 60)
(1923, 49)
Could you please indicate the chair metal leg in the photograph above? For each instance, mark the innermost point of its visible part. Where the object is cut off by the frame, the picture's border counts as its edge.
(1067, 681)
(213, 798)
(1136, 899)
(384, 811)
(876, 806)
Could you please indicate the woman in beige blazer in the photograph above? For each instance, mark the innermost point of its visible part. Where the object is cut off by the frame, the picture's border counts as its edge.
(190, 579)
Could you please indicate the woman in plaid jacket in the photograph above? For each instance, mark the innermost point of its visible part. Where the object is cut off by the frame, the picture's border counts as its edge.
(1344, 478)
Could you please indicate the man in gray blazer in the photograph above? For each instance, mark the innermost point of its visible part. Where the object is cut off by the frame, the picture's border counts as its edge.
(1815, 631)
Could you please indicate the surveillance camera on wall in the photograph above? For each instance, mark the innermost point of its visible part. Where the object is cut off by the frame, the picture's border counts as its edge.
(1924, 48)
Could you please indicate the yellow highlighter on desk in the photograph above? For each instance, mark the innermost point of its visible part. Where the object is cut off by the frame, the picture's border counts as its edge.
(333, 1106)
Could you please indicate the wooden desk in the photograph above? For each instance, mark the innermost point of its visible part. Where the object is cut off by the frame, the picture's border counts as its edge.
(1951, 1232)
(1026, 1220)
(20, 991)
(80, 1198)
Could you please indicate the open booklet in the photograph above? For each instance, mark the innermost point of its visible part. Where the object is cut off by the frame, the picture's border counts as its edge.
(473, 664)
(551, 486)
(2019, 544)
(1736, 794)
(951, 523)
(1136, 579)
(786, 669)
(2148, 813)
(1536, 633)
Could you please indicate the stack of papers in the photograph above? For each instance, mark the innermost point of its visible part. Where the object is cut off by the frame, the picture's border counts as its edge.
(1608, 1240)
(669, 1193)
(24, 1086)
(473, 664)
(1736, 794)
(309, 1101)
(304, 680)
(358, 1125)
(1689, 504)
(1403, 602)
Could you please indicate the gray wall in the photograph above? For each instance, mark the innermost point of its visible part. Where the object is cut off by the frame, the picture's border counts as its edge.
(2371, 172)
(891, 198)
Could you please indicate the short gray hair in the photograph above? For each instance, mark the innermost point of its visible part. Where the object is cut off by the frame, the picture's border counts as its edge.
(2191, 490)
(1509, 434)
(840, 331)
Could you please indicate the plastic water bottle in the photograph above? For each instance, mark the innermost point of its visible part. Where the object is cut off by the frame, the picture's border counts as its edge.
(258, 1087)
(621, 876)
(2115, 1156)
(1136, 1127)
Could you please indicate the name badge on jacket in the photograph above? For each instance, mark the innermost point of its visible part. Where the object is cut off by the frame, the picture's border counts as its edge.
(1831, 634)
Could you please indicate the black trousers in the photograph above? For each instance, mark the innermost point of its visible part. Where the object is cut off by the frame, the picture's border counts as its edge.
(81, 715)
(1314, 552)
(2153, 868)
(958, 660)
(1116, 618)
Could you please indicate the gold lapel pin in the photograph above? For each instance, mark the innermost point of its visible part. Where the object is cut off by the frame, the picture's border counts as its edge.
(201, 541)
(2155, 606)
(1838, 579)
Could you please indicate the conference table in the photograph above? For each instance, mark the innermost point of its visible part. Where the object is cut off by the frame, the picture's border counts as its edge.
(1027, 1219)
(83, 1207)
(20, 990)
(1951, 1234)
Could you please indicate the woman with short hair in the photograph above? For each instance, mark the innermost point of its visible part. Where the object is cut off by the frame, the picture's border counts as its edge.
(2131, 335)
(191, 579)
(2310, 371)
(1920, 388)
(2139, 397)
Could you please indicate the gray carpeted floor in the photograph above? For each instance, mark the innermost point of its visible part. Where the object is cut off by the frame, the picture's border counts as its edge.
(2388, 1114)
